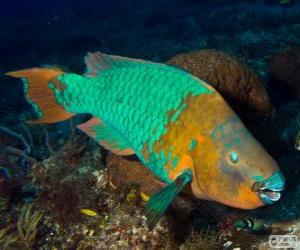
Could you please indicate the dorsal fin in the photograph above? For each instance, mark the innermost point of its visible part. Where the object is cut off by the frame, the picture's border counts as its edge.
(56, 67)
(97, 62)
(106, 136)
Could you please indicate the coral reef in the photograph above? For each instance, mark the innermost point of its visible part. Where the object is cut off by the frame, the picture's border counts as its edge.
(74, 179)
(105, 209)
(73, 183)
(117, 217)
(235, 81)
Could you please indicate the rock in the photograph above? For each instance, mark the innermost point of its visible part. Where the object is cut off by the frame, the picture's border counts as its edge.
(284, 70)
(124, 170)
(235, 81)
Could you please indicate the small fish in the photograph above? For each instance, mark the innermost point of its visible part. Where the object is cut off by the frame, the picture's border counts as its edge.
(88, 212)
(260, 225)
(252, 225)
(144, 197)
(179, 126)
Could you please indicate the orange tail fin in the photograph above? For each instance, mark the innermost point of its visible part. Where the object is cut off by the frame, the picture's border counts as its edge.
(40, 95)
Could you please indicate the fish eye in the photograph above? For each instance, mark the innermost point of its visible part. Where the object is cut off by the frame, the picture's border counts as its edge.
(233, 157)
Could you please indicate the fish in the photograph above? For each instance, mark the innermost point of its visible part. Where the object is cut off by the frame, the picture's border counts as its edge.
(261, 225)
(144, 196)
(178, 125)
(252, 225)
(88, 212)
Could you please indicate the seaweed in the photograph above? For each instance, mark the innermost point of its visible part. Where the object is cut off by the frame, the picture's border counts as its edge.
(205, 239)
(23, 235)
(7, 238)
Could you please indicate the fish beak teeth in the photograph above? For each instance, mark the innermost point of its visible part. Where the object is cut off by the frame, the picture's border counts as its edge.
(269, 196)
(269, 189)
(273, 189)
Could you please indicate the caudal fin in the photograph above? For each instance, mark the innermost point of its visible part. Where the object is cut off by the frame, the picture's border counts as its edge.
(39, 84)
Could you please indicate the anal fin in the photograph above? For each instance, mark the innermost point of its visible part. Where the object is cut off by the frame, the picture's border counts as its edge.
(106, 136)
(161, 200)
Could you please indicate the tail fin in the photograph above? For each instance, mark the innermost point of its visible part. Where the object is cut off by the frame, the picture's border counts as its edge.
(41, 95)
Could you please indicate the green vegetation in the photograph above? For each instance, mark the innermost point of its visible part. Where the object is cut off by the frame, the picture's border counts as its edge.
(23, 235)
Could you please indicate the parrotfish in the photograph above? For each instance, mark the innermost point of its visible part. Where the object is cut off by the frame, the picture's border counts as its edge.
(179, 126)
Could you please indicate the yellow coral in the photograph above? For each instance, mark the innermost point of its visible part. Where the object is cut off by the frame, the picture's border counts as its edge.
(132, 197)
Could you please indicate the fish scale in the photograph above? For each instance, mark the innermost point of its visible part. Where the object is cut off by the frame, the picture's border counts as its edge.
(148, 93)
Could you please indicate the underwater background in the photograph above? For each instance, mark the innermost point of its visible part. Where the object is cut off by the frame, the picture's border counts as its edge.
(61, 190)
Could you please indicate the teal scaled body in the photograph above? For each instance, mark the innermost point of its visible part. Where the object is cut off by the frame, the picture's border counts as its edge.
(134, 100)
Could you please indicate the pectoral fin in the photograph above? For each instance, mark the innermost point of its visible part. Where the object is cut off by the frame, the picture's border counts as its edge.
(160, 201)
(106, 136)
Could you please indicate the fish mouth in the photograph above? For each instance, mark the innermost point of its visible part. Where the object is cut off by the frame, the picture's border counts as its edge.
(269, 196)
(269, 189)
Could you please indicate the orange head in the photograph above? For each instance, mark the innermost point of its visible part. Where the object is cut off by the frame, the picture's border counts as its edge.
(229, 165)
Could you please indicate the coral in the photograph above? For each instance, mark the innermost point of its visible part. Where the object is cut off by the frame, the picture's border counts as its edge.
(127, 231)
(24, 234)
(7, 238)
(4, 204)
(76, 174)
(284, 72)
(15, 161)
(27, 226)
(47, 142)
(23, 154)
(203, 240)
(119, 220)
(6, 131)
(124, 170)
(234, 80)
(69, 175)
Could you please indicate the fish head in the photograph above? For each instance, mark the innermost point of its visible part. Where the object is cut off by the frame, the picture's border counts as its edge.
(231, 167)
